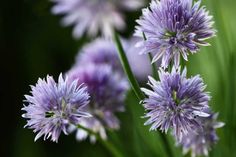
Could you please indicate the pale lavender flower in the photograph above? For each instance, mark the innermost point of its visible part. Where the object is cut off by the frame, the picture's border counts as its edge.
(108, 90)
(175, 102)
(94, 16)
(174, 28)
(53, 106)
(94, 125)
(103, 51)
(140, 65)
(200, 142)
(99, 51)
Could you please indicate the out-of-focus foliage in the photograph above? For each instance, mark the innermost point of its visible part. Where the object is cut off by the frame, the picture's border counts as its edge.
(33, 44)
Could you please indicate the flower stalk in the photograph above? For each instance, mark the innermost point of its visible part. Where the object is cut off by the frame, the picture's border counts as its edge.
(127, 68)
(105, 143)
(135, 85)
(154, 67)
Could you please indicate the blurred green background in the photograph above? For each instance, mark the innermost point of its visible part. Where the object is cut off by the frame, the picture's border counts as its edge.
(33, 44)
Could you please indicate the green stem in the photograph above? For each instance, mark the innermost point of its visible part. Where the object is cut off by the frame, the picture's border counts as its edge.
(105, 143)
(166, 145)
(126, 67)
(183, 63)
(170, 66)
(135, 84)
(154, 67)
(189, 154)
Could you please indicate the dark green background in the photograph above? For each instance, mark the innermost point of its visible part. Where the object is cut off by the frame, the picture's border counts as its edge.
(33, 44)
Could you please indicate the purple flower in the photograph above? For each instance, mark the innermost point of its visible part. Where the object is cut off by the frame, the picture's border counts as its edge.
(94, 16)
(100, 51)
(200, 141)
(103, 51)
(107, 90)
(53, 106)
(175, 102)
(174, 28)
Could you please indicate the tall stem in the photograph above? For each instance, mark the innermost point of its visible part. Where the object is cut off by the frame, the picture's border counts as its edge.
(105, 143)
(166, 145)
(154, 67)
(135, 84)
(127, 69)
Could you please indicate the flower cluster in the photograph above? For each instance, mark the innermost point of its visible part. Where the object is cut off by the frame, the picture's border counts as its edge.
(199, 143)
(100, 51)
(107, 96)
(54, 106)
(171, 29)
(181, 104)
(174, 28)
(176, 102)
(94, 16)
(62, 107)
(99, 69)
(95, 88)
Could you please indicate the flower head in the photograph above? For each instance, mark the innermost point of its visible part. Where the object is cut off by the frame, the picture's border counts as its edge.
(100, 51)
(103, 51)
(107, 90)
(175, 102)
(94, 16)
(200, 141)
(53, 106)
(174, 28)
